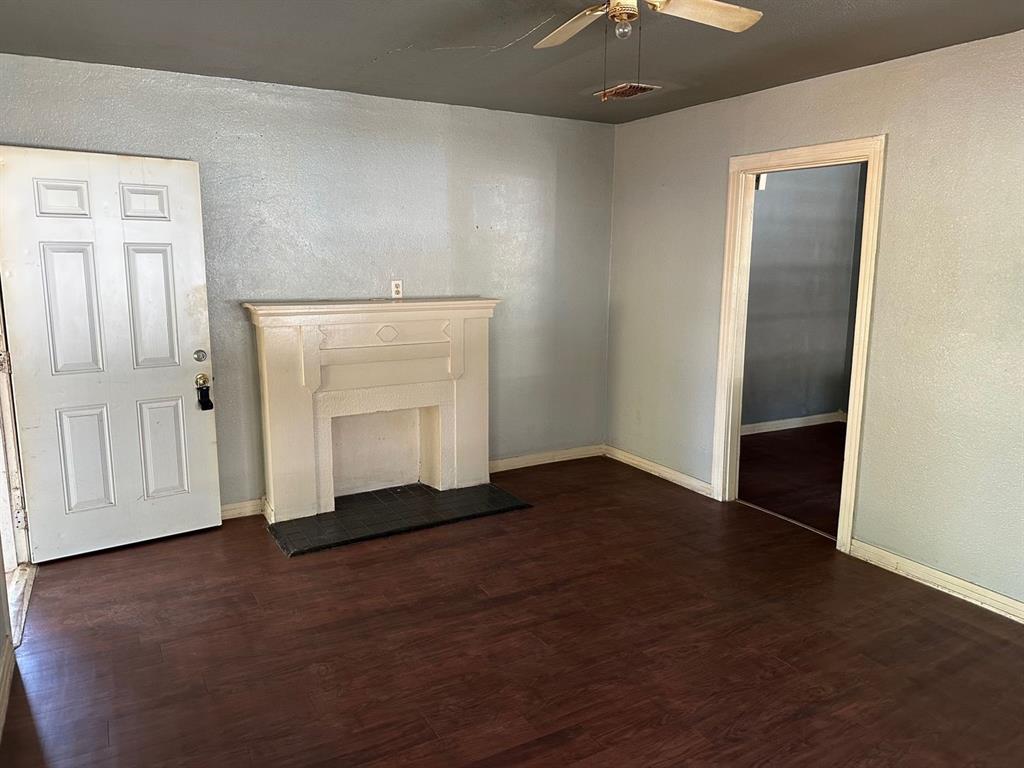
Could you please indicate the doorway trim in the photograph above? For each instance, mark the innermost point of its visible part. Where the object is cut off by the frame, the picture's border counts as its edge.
(743, 171)
(17, 524)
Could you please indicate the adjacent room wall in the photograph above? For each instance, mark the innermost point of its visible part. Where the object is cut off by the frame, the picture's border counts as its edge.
(319, 194)
(803, 261)
(942, 458)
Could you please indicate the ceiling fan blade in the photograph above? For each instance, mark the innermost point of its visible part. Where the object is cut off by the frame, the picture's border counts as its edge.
(711, 12)
(573, 26)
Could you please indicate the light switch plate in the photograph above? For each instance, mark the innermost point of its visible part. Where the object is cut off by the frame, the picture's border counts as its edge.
(396, 289)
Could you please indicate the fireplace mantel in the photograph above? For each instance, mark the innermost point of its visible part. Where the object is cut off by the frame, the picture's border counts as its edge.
(321, 360)
(312, 312)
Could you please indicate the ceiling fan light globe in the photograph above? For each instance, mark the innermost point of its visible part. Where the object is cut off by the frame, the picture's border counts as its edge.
(623, 29)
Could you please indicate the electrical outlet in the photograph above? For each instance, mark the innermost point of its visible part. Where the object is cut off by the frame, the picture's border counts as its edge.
(396, 289)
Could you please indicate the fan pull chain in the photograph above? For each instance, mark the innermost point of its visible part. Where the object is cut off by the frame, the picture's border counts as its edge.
(639, 43)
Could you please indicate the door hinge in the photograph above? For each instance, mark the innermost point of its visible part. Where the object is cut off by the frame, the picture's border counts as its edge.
(18, 511)
(5, 362)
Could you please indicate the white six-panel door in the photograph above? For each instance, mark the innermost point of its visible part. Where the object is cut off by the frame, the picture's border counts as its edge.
(104, 287)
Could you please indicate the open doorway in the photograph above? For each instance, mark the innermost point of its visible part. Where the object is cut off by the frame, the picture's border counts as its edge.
(745, 175)
(801, 317)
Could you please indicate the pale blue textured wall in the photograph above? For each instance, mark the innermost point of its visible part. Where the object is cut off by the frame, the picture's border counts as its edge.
(318, 194)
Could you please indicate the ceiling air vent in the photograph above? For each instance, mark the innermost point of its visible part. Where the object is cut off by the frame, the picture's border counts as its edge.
(626, 91)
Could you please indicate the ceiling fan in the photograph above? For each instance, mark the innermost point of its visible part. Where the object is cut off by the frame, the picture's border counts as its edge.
(714, 13)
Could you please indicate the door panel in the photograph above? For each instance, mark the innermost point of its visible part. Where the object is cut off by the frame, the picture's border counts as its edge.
(55, 197)
(151, 304)
(72, 310)
(162, 438)
(84, 435)
(104, 287)
(142, 201)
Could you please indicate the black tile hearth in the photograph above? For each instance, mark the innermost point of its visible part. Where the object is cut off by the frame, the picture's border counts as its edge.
(404, 508)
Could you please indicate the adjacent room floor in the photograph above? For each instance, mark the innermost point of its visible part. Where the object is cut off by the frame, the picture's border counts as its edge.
(796, 473)
(622, 621)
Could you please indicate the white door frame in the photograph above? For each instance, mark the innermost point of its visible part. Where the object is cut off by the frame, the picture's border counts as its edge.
(743, 171)
(12, 456)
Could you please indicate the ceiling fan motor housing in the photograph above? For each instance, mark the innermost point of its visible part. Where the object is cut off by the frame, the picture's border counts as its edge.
(623, 10)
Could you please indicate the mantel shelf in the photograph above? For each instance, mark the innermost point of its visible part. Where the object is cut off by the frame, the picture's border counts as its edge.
(309, 312)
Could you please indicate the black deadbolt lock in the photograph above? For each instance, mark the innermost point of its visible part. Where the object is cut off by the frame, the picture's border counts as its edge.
(203, 392)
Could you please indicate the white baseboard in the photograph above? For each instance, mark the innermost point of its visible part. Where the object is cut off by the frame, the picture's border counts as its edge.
(672, 475)
(965, 590)
(799, 421)
(546, 457)
(586, 451)
(6, 678)
(241, 509)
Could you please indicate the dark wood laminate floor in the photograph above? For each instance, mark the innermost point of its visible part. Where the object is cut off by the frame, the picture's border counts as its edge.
(622, 621)
(797, 473)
